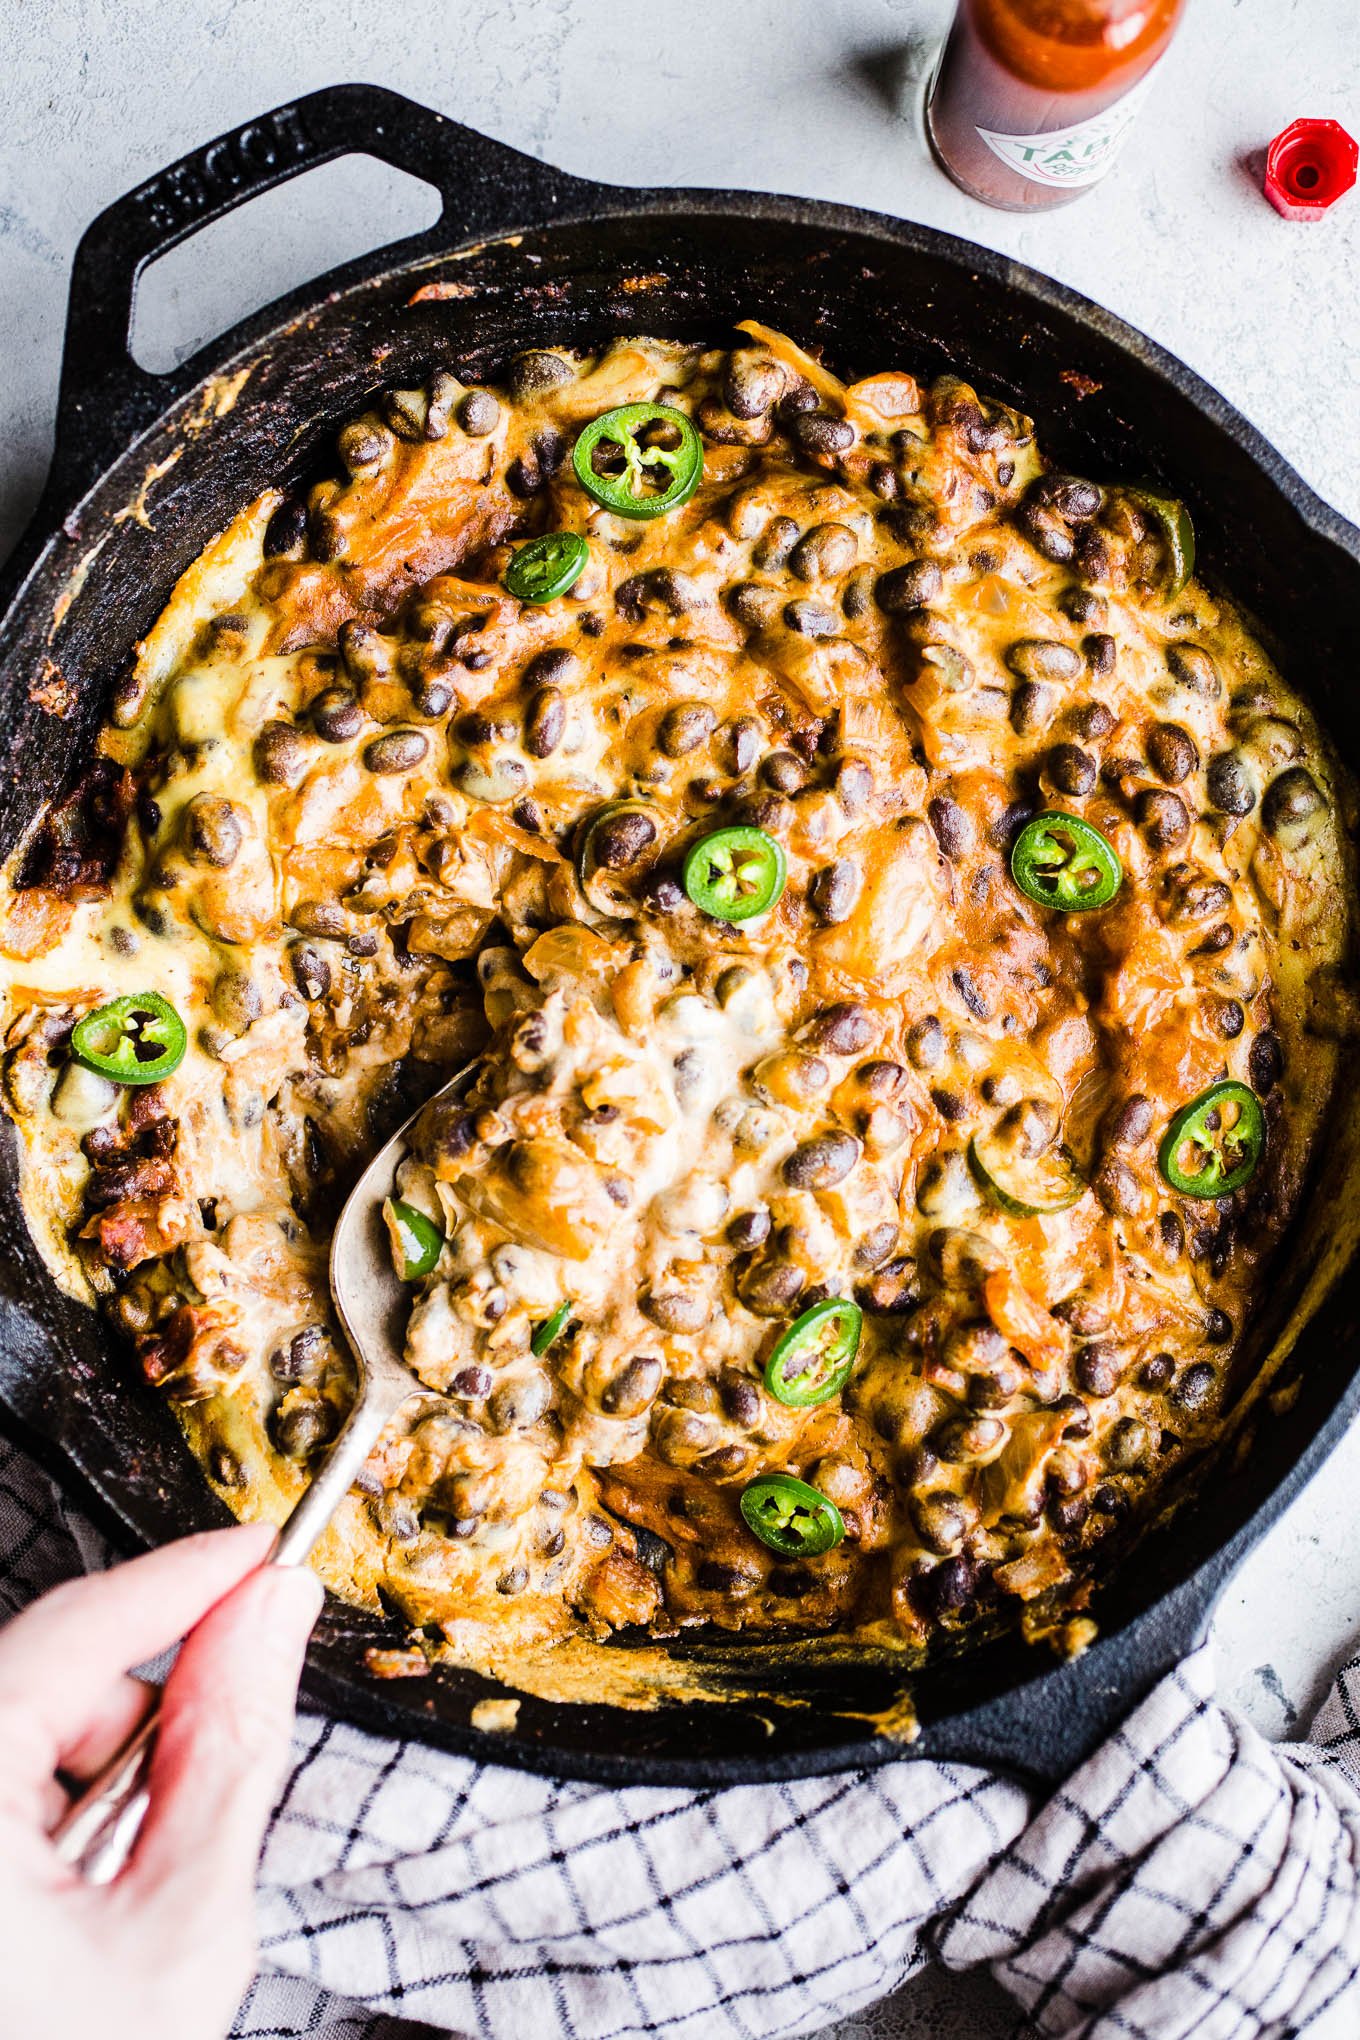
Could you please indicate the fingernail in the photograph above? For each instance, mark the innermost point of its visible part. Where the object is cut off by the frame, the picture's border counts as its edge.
(295, 1597)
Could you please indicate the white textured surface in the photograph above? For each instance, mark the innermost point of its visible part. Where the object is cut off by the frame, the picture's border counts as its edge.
(808, 96)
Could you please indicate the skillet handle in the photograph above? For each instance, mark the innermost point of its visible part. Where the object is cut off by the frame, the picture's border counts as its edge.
(106, 397)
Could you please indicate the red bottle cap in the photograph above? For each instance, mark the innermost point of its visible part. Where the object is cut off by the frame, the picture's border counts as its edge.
(1309, 167)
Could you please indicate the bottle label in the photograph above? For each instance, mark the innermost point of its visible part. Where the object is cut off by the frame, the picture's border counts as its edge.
(1072, 156)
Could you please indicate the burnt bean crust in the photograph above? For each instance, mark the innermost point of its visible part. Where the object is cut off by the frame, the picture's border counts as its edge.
(356, 817)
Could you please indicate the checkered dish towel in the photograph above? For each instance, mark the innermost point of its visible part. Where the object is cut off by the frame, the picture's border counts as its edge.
(1190, 1879)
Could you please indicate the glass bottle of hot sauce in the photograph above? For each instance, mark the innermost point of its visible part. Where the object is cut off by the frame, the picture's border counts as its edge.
(1031, 99)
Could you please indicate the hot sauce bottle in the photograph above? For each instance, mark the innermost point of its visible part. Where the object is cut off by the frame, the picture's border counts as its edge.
(1032, 99)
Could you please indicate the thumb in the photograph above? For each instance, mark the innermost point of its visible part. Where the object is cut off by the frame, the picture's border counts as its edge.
(226, 1715)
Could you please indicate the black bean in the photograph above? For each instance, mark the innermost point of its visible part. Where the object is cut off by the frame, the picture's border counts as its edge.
(843, 1029)
(1083, 605)
(304, 1358)
(1163, 819)
(1077, 498)
(769, 1287)
(212, 831)
(365, 944)
(1226, 1017)
(1291, 798)
(1043, 659)
(811, 619)
(784, 771)
(953, 830)
(798, 398)
(398, 751)
(854, 785)
(1157, 1372)
(311, 972)
(940, 1520)
(1229, 784)
(857, 596)
(536, 371)
(1193, 668)
(361, 445)
(1101, 653)
(749, 1228)
(1046, 533)
(945, 1588)
(908, 587)
(663, 894)
(877, 1244)
(475, 1383)
(1195, 1386)
(321, 918)
(286, 531)
(1031, 708)
(686, 726)
(822, 1162)
(741, 739)
(1218, 1328)
(752, 383)
(304, 1427)
(1265, 1062)
(479, 413)
(517, 1405)
(835, 889)
(1097, 1369)
(1067, 1513)
(236, 1000)
(336, 715)
(1131, 1123)
(925, 1043)
(1071, 769)
(1172, 1232)
(1171, 752)
(825, 552)
(620, 839)
(1116, 1187)
(278, 754)
(546, 722)
(634, 1388)
(824, 436)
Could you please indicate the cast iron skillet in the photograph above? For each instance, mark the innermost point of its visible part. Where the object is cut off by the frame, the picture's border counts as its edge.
(574, 262)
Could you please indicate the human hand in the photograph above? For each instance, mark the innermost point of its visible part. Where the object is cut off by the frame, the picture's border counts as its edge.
(165, 1950)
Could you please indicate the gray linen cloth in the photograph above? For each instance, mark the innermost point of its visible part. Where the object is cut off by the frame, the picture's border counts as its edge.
(1191, 1878)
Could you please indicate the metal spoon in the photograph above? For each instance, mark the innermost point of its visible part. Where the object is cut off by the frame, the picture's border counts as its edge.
(97, 1831)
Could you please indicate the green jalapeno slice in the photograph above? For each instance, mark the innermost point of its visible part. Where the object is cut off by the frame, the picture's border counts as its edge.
(1025, 1186)
(1178, 534)
(137, 1039)
(735, 873)
(1215, 1143)
(621, 457)
(418, 1239)
(791, 1517)
(812, 1360)
(546, 567)
(550, 1330)
(1063, 862)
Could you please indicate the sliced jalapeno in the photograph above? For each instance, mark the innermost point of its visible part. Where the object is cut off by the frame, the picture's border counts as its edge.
(550, 1330)
(1024, 1186)
(417, 1238)
(1215, 1143)
(791, 1517)
(547, 567)
(1063, 862)
(621, 457)
(1178, 534)
(735, 873)
(812, 1360)
(137, 1039)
